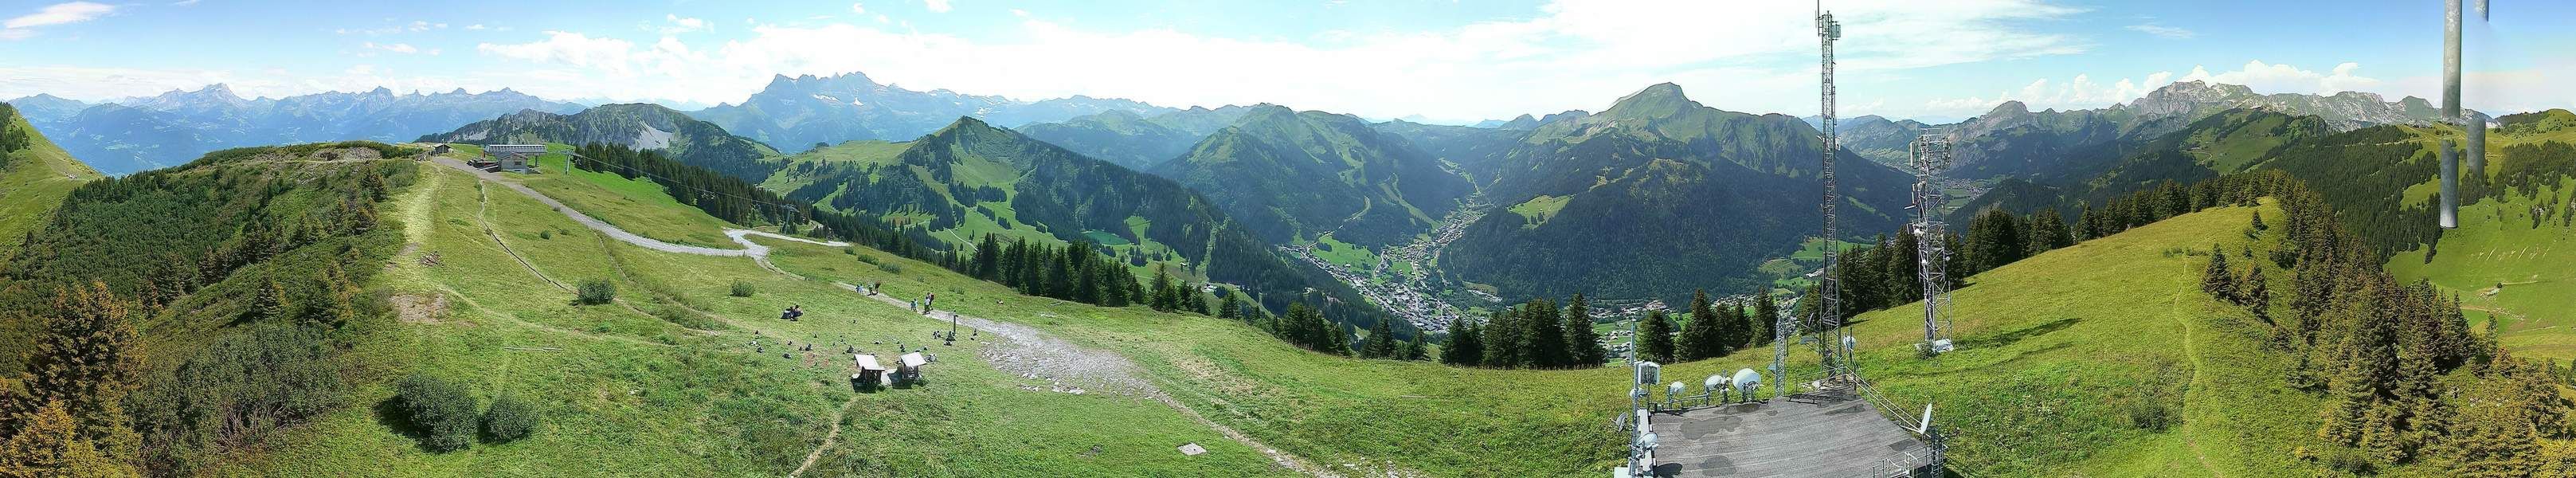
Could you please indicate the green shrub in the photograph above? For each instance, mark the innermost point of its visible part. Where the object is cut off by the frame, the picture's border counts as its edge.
(441, 410)
(685, 317)
(545, 234)
(597, 291)
(743, 288)
(891, 268)
(509, 419)
(868, 258)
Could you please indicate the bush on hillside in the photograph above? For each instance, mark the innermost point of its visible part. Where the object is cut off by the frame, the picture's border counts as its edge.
(891, 268)
(509, 419)
(441, 410)
(743, 288)
(596, 291)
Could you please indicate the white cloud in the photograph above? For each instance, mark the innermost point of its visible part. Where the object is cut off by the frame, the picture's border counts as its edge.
(183, 3)
(680, 24)
(2272, 78)
(23, 26)
(61, 13)
(2082, 92)
(881, 18)
(2178, 33)
(935, 6)
(858, 8)
(1746, 57)
(477, 26)
(403, 48)
(1019, 13)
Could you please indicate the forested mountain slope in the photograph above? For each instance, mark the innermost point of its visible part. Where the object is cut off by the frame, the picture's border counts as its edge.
(1659, 196)
(1294, 176)
(634, 126)
(804, 112)
(971, 180)
(34, 176)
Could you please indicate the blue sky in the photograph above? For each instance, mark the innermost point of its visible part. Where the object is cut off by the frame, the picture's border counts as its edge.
(1444, 60)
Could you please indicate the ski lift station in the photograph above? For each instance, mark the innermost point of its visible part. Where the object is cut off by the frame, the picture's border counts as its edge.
(518, 158)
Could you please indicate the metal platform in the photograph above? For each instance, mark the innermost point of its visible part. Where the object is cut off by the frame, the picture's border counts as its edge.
(1796, 436)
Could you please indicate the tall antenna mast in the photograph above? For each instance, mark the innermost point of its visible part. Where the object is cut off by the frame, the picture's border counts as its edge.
(2471, 122)
(1931, 155)
(1836, 357)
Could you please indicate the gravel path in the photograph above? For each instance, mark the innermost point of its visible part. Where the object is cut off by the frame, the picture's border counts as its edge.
(1070, 368)
(739, 235)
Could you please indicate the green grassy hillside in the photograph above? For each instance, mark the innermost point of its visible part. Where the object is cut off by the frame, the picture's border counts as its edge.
(2101, 359)
(34, 177)
(2512, 259)
(669, 383)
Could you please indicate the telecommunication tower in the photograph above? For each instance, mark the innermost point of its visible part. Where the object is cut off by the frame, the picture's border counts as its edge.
(1832, 340)
(1931, 155)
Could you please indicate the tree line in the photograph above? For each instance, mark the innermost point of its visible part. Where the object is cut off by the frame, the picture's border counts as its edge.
(13, 138)
(725, 197)
(2377, 350)
(260, 262)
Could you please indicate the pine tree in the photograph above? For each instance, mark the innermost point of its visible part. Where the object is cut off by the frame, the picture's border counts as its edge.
(2258, 294)
(1464, 347)
(1700, 338)
(1655, 340)
(2049, 232)
(1766, 318)
(1744, 315)
(1544, 339)
(988, 260)
(88, 361)
(1381, 342)
(1167, 297)
(268, 303)
(1579, 337)
(1502, 340)
(1226, 308)
(1415, 349)
(2218, 280)
(51, 444)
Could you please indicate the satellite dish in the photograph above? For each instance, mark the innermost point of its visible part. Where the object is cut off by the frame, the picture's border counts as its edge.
(1646, 441)
(1848, 343)
(1714, 383)
(1926, 424)
(1675, 390)
(1746, 381)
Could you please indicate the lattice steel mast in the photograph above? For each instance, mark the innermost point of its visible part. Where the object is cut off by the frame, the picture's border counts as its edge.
(1834, 355)
(1931, 154)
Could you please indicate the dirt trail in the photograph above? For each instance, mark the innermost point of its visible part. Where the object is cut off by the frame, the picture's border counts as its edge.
(1071, 368)
(753, 250)
(828, 438)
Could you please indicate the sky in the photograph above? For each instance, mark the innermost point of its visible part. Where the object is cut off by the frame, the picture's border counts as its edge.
(1451, 61)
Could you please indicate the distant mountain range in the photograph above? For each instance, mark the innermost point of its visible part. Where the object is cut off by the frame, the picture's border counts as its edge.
(1658, 196)
(1291, 175)
(135, 134)
(2011, 140)
(971, 178)
(798, 113)
(1133, 140)
(636, 125)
